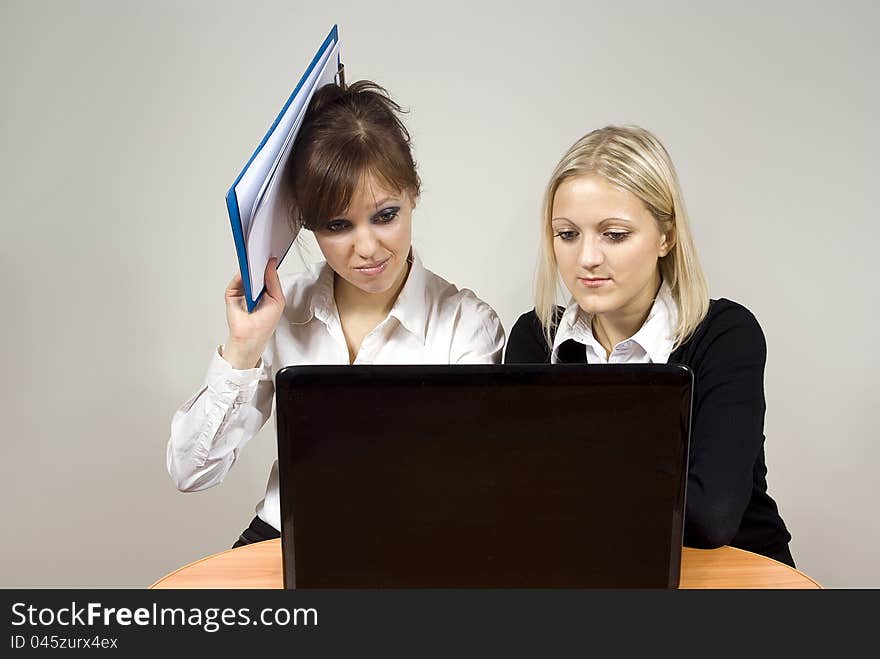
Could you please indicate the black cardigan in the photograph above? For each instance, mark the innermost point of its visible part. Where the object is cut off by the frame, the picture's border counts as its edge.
(727, 500)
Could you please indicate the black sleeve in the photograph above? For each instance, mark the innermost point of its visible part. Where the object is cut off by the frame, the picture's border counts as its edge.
(526, 343)
(727, 426)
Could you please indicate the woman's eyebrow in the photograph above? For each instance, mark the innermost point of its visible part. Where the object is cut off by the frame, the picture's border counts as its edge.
(385, 200)
(600, 223)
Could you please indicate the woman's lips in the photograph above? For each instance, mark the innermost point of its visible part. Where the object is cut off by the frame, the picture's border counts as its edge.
(373, 270)
(594, 282)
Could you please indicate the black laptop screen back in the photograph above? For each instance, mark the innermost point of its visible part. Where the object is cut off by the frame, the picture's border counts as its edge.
(564, 476)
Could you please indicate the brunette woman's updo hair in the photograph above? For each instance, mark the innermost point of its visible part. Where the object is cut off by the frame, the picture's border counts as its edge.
(347, 133)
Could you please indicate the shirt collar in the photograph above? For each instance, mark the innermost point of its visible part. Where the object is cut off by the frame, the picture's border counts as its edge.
(410, 308)
(656, 333)
(655, 336)
(323, 306)
(574, 325)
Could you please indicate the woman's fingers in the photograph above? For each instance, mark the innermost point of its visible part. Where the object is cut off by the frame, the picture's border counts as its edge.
(250, 332)
(273, 283)
(236, 287)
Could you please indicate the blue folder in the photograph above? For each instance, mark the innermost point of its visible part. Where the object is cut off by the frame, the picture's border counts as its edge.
(268, 161)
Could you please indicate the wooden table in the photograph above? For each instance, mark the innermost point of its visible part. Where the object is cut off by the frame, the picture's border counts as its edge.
(259, 566)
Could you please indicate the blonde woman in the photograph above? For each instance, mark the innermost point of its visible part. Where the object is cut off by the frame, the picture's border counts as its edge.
(615, 231)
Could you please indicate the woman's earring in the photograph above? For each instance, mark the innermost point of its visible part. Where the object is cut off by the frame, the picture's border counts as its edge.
(308, 320)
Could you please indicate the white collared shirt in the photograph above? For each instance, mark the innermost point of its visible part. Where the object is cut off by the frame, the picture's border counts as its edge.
(651, 344)
(431, 322)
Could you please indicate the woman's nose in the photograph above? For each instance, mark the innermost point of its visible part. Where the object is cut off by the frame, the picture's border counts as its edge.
(365, 242)
(591, 254)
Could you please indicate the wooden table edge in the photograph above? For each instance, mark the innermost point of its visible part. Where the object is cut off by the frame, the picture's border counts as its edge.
(201, 560)
(767, 558)
(156, 584)
(761, 557)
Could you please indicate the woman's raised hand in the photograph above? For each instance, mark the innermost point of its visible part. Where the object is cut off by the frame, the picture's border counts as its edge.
(249, 333)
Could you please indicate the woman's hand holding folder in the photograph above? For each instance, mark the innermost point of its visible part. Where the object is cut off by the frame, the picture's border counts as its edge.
(249, 333)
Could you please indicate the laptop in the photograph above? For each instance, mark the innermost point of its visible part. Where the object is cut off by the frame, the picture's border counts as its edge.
(483, 476)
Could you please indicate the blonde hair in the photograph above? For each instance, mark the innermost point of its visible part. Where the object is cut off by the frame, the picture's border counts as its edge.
(635, 160)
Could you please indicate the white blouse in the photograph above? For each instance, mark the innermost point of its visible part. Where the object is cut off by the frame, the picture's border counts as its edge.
(431, 322)
(651, 344)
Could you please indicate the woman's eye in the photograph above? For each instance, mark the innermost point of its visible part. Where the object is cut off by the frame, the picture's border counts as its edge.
(616, 236)
(566, 235)
(388, 215)
(335, 226)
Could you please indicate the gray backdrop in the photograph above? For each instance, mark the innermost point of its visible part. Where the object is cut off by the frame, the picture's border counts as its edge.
(124, 123)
